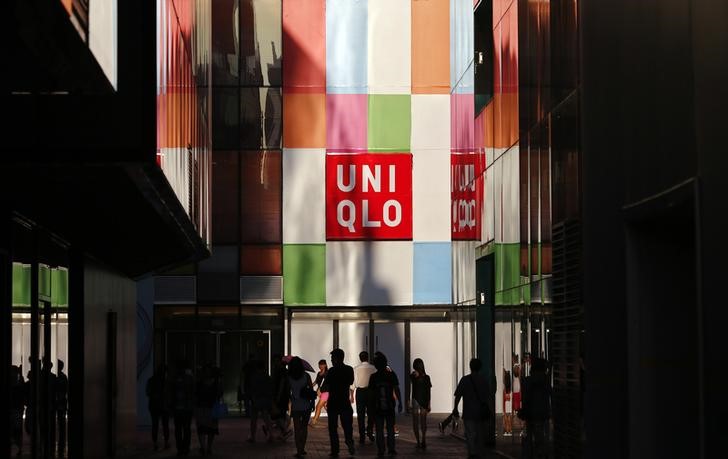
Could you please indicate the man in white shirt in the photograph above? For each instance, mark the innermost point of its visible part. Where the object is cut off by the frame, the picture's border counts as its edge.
(362, 372)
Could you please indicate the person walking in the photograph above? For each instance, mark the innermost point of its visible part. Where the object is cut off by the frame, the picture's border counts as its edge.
(61, 408)
(536, 409)
(208, 393)
(183, 404)
(384, 387)
(473, 389)
(261, 393)
(17, 407)
(420, 403)
(340, 378)
(279, 413)
(156, 390)
(301, 389)
(365, 420)
(322, 389)
(507, 404)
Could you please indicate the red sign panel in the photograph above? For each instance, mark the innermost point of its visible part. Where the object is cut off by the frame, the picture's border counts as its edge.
(369, 196)
(464, 189)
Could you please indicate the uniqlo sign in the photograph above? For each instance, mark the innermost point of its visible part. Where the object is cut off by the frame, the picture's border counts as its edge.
(464, 197)
(369, 196)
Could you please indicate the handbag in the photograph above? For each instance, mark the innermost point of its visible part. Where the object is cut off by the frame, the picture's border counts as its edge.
(484, 408)
(219, 410)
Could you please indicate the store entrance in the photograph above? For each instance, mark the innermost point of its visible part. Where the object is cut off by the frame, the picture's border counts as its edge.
(227, 350)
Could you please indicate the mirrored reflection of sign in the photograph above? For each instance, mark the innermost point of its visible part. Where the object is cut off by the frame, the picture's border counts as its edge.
(369, 196)
(465, 209)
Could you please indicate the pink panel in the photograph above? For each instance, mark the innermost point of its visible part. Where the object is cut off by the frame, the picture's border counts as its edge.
(346, 122)
(304, 46)
(462, 117)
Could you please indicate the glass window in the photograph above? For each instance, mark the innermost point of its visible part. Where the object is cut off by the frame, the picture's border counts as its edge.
(225, 191)
(260, 205)
(260, 42)
(225, 43)
(225, 120)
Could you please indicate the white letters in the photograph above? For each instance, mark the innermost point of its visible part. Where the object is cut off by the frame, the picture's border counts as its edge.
(340, 178)
(397, 213)
(365, 216)
(375, 180)
(352, 214)
(391, 178)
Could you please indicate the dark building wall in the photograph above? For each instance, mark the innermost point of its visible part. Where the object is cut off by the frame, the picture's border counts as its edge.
(104, 291)
(653, 74)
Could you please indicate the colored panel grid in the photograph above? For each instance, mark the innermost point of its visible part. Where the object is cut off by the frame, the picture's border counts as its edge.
(368, 273)
(431, 195)
(304, 274)
(304, 120)
(304, 196)
(389, 122)
(346, 41)
(462, 113)
(432, 273)
(430, 47)
(389, 50)
(346, 122)
(507, 274)
(430, 122)
(304, 46)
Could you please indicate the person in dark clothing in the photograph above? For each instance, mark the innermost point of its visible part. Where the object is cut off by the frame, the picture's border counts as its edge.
(384, 387)
(536, 409)
(183, 403)
(159, 411)
(322, 389)
(281, 390)
(261, 395)
(209, 391)
(339, 380)
(61, 408)
(17, 407)
(47, 414)
(474, 389)
(421, 395)
(300, 383)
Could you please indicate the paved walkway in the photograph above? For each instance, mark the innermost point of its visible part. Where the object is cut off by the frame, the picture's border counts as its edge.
(231, 443)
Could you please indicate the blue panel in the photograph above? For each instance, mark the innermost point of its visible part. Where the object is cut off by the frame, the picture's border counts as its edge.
(432, 273)
(346, 46)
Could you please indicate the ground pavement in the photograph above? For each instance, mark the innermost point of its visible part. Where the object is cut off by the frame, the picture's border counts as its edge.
(231, 443)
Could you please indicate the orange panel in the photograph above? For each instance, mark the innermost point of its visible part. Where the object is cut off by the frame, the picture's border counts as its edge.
(304, 120)
(430, 47)
(260, 260)
(304, 46)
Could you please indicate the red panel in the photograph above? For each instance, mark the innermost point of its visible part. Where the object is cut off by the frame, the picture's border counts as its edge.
(465, 197)
(304, 46)
(369, 196)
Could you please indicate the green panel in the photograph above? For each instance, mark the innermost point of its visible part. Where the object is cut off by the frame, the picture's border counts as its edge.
(44, 282)
(21, 284)
(304, 274)
(389, 122)
(59, 287)
(507, 274)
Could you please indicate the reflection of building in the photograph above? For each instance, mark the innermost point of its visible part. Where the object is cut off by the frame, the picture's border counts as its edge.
(87, 205)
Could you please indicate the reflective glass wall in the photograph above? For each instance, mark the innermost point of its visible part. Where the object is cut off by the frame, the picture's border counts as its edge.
(183, 104)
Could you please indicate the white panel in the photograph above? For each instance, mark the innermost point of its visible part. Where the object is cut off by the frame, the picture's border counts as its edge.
(368, 273)
(497, 174)
(102, 36)
(434, 343)
(312, 340)
(511, 197)
(431, 199)
(304, 196)
(353, 338)
(389, 54)
(389, 339)
(463, 269)
(430, 121)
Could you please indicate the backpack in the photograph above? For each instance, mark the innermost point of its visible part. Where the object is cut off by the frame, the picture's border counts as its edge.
(383, 393)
